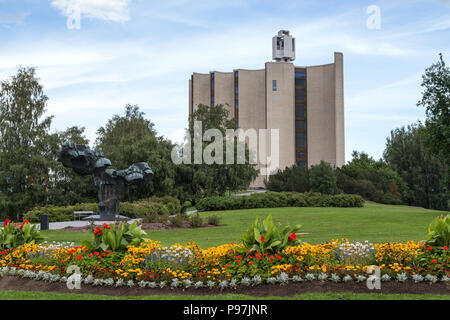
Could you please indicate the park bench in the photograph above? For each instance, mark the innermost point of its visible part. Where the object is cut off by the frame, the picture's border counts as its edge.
(81, 213)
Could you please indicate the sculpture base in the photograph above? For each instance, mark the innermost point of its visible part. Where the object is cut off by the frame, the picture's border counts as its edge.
(105, 217)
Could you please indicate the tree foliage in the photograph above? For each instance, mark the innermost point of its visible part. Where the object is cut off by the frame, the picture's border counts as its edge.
(322, 178)
(426, 176)
(130, 139)
(210, 179)
(371, 179)
(293, 178)
(436, 101)
(25, 143)
(29, 173)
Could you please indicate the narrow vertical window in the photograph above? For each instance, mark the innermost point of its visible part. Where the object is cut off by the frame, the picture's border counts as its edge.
(236, 98)
(301, 145)
(212, 88)
(274, 85)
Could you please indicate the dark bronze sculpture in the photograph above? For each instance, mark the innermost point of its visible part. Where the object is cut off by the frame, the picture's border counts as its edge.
(112, 185)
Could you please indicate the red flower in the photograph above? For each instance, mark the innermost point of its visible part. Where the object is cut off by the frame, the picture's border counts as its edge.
(262, 238)
(89, 255)
(249, 257)
(433, 261)
(239, 257)
(104, 254)
(445, 247)
(271, 257)
(430, 248)
(270, 261)
(265, 254)
(23, 223)
(250, 263)
(278, 257)
(96, 253)
(79, 257)
(292, 236)
(6, 223)
(106, 226)
(98, 231)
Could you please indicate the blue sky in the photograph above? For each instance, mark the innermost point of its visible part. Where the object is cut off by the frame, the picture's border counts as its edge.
(143, 52)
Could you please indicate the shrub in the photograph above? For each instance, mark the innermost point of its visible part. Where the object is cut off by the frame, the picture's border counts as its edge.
(214, 220)
(322, 178)
(279, 199)
(163, 218)
(110, 237)
(150, 218)
(196, 221)
(56, 214)
(187, 204)
(137, 209)
(293, 178)
(439, 231)
(177, 220)
(12, 235)
(265, 237)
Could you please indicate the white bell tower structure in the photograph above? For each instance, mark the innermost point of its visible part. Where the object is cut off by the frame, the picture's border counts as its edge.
(283, 47)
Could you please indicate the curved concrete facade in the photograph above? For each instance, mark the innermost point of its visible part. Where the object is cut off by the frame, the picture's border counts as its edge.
(265, 99)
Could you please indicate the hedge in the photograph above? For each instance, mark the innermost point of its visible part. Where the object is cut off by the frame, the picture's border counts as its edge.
(279, 199)
(137, 209)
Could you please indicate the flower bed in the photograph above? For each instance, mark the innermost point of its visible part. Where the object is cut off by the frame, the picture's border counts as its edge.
(152, 265)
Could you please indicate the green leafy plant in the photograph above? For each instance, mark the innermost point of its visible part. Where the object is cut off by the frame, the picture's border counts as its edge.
(196, 221)
(12, 235)
(264, 236)
(116, 238)
(187, 204)
(439, 231)
(214, 220)
(177, 220)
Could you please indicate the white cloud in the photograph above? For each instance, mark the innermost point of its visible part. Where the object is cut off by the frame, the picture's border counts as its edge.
(113, 10)
(17, 19)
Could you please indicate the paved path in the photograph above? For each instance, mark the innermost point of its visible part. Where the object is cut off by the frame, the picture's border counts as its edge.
(78, 223)
(250, 192)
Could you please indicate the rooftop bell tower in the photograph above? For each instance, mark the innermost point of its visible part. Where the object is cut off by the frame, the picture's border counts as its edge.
(283, 47)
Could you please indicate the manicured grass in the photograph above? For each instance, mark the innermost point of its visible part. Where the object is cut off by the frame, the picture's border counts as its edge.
(34, 295)
(373, 222)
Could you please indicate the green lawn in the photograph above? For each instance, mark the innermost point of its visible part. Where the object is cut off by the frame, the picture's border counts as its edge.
(34, 295)
(373, 222)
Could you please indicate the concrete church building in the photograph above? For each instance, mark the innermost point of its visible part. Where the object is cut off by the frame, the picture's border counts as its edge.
(306, 104)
